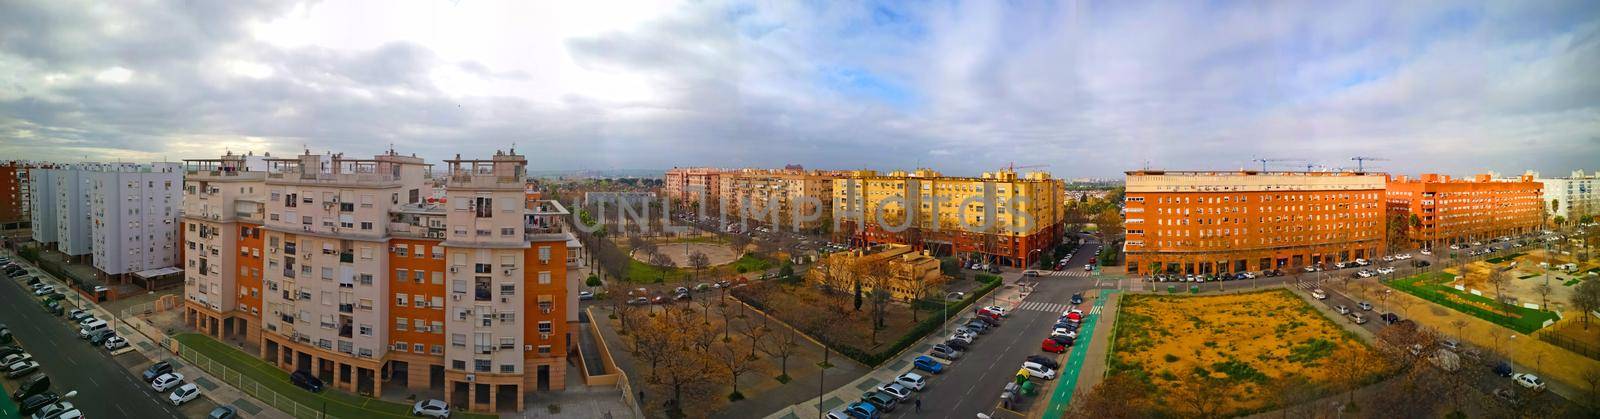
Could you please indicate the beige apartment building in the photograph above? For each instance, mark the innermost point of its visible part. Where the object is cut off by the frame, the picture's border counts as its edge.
(346, 269)
(793, 197)
(908, 272)
(684, 186)
(1009, 219)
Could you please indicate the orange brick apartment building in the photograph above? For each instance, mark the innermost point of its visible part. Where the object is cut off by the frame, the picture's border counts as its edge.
(345, 269)
(685, 185)
(1452, 211)
(1191, 222)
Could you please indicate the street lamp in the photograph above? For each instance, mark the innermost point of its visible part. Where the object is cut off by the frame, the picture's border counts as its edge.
(1025, 264)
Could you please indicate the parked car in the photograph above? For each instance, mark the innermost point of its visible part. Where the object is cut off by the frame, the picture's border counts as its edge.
(638, 301)
(1064, 332)
(1365, 306)
(912, 380)
(1390, 318)
(585, 295)
(15, 358)
(99, 337)
(31, 387)
(945, 352)
(864, 410)
(1045, 361)
(1341, 309)
(1051, 346)
(304, 379)
(156, 370)
(39, 401)
(997, 310)
(55, 410)
(899, 391)
(1528, 381)
(223, 412)
(927, 363)
(958, 344)
(166, 381)
(884, 401)
(431, 408)
(115, 342)
(184, 394)
(21, 369)
(1358, 318)
(76, 315)
(1318, 294)
(1039, 371)
(1077, 298)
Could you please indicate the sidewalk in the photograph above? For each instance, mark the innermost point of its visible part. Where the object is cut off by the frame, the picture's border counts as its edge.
(148, 342)
(849, 392)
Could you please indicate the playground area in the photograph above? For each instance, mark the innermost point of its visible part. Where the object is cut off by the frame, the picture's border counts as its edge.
(1524, 271)
(717, 254)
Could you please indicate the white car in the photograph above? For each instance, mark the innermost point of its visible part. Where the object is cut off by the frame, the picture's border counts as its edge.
(1385, 270)
(53, 410)
(431, 408)
(184, 394)
(913, 380)
(115, 343)
(15, 358)
(166, 381)
(999, 310)
(1364, 273)
(1318, 294)
(1062, 331)
(44, 290)
(1528, 381)
(1425, 252)
(1038, 371)
(899, 391)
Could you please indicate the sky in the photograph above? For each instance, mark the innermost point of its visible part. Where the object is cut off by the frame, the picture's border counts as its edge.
(1076, 88)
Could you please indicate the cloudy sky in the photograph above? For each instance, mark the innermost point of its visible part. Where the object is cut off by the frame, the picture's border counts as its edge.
(1087, 88)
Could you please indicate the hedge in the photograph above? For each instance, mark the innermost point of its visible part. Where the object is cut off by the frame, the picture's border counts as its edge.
(1426, 287)
(921, 330)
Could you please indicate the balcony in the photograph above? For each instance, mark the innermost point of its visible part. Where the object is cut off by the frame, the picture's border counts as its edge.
(347, 257)
(347, 308)
(345, 330)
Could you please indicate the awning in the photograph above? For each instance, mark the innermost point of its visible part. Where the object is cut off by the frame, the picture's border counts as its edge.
(158, 272)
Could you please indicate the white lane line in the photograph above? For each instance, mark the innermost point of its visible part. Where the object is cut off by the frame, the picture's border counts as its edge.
(124, 412)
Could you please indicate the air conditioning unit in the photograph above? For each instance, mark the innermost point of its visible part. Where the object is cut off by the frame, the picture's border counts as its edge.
(456, 297)
(527, 347)
(453, 269)
(508, 272)
(273, 250)
(472, 377)
(547, 310)
(505, 299)
(307, 228)
(545, 336)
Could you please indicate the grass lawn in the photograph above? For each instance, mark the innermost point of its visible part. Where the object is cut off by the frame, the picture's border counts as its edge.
(1431, 287)
(645, 273)
(1506, 258)
(751, 263)
(339, 404)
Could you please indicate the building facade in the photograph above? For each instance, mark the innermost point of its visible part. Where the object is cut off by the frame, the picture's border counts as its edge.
(999, 217)
(368, 274)
(685, 186)
(16, 197)
(1188, 222)
(1575, 196)
(1442, 210)
(907, 273)
(42, 205)
(789, 198)
(134, 211)
(72, 217)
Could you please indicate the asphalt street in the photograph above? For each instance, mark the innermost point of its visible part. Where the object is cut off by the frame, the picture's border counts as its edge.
(106, 389)
(973, 383)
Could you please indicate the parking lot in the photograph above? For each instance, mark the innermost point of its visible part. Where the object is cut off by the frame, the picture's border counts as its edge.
(104, 384)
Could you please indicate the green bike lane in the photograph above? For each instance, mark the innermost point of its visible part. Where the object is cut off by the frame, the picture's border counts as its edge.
(1068, 382)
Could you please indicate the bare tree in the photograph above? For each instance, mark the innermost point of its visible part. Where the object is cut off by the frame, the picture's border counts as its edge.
(920, 287)
(1119, 396)
(1459, 324)
(1497, 279)
(1586, 298)
(739, 242)
(663, 261)
(782, 346)
(1544, 291)
(1293, 393)
(754, 332)
(1592, 378)
(730, 355)
(698, 261)
(1202, 395)
(1350, 368)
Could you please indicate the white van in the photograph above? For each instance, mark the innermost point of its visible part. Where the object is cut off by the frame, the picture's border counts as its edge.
(94, 326)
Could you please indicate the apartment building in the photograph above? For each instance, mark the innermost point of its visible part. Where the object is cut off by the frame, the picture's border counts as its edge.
(16, 197)
(1199, 222)
(1574, 196)
(1450, 210)
(791, 197)
(60, 208)
(134, 216)
(223, 209)
(999, 217)
(685, 186)
(368, 275)
(907, 272)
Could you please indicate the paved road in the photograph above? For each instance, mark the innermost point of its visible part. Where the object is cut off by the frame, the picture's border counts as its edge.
(973, 384)
(105, 387)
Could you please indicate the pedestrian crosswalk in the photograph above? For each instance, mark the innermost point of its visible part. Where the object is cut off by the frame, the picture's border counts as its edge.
(1070, 273)
(1042, 306)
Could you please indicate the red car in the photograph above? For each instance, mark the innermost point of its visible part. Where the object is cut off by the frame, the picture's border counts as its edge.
(1050, 345)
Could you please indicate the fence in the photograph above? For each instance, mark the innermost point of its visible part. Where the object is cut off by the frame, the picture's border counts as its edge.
(1587, 349)
(245, 384)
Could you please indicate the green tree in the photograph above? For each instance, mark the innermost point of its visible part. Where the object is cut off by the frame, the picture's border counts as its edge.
(593, 281)
(858, 295)
(1559, 220)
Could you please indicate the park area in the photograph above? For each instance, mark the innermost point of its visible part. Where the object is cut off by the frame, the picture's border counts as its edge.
(1233, 354)
(670, 261)
(1530, 294)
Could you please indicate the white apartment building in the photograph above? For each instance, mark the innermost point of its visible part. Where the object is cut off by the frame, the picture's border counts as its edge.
(73, 219)
(134, 216)
(1576, 194)
(42, 203)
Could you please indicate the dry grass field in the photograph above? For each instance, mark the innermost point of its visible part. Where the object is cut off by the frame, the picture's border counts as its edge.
(1247, 342)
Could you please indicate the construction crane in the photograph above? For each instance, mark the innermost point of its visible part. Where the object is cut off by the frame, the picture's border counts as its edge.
(1265, 161)
(1013, 166)
(1361, 162)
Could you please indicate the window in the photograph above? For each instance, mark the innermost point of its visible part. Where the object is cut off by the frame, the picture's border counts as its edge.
(481, 268)
(458, 364)
(437, 350)
(508, 368)
(544, 326)
(508, 289)
(438, 278)
(366, 279)
(458, 340)
(400, 299)
(417, 276)
(422, 326)
(400, 346)
(508, 317)
(544, 278)
(544, 350)
(401, 324)
(508, 343)
(438, 327)
(401, 275)
(366, 330)
(544, 254)
(418, 348)
(508, 231)
(483, 206)
(365, 225)
(480, 365)
(400, 251)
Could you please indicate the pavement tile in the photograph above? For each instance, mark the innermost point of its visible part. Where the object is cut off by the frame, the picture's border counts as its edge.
(899, 365)
(868, 384)
(204, 383)
(832, 403)
(245, 405)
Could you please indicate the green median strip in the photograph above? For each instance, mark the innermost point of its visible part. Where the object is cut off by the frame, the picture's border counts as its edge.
(338, 403)
(1061, 398)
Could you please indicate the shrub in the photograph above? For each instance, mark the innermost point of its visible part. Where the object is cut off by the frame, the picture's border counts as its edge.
(1171, 358)
(593, 281)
